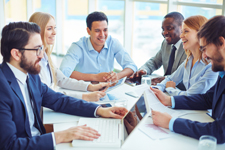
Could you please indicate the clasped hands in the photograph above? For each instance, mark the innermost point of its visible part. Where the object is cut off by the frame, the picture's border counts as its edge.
(111, 77)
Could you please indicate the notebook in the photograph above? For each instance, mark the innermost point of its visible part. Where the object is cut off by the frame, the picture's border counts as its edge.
(113, 131)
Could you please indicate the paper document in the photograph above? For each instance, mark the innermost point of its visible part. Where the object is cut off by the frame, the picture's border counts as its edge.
(154, 132)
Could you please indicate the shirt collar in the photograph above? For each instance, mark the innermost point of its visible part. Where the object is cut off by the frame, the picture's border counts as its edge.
(44, 60)
(90, 47)
(177, 45)
(22, 77)
(191, 58)
(221, 74)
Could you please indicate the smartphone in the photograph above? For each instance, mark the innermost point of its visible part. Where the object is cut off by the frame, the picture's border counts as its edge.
(106, 105)
(103, 88)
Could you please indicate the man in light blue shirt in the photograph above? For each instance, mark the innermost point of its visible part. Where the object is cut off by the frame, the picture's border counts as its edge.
(92, 58)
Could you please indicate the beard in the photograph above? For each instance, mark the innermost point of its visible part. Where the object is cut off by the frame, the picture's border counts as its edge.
(217, 63)
(29, 67)
(218, 67)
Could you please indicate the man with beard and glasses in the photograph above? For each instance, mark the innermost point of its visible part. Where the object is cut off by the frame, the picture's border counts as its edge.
(23, 94)
(212, 44)
(171, 30)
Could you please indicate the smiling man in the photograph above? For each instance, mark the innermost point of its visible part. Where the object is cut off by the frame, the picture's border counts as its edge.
(212, 44)
(92, 58)
(23, 94)
(171, 54)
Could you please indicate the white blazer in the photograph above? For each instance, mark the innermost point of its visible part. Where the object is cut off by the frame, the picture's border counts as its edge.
(62, 81)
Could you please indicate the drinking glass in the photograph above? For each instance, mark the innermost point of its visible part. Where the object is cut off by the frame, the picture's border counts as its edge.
(207, 142)
(146, 79)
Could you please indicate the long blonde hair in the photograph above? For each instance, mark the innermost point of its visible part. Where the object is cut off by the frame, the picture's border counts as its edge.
(195, 23)
(42, 20)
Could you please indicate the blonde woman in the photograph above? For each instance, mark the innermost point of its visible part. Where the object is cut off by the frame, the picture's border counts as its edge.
(51, 75)
(195, 72)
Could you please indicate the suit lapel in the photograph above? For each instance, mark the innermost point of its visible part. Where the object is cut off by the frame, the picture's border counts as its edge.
(218, 91)
(168, 52)
(12, 81)
(16, 89)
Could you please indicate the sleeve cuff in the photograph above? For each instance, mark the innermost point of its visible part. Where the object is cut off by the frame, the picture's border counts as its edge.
(53, 139)
(169, 90)
(134, 68)
(96, 111)
(172, 102)
(171, 123)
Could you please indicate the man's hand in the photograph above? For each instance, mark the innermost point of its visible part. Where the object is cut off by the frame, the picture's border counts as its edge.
(161, 119)
(100, 76)
(157, 80)
(170, 84)
(163, 98)
(93, 96)
(130, 122)
(97, 87)
(76, 133)
(137, 74)
(112, 112)
(111, 77)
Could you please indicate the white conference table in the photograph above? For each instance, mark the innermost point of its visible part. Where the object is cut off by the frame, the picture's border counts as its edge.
(137, 139)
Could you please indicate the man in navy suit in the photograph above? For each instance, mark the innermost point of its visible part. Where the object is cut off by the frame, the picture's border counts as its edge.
(23, 94)
(212, 43)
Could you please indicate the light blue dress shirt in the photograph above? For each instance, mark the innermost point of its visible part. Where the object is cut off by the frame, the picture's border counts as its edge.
(82, 57)
(197, 80)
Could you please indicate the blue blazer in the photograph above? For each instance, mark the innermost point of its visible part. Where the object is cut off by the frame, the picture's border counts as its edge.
(14, 124)
(214, 99)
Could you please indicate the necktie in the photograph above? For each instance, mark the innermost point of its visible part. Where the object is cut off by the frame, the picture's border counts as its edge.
(37, 122)
(171, 60)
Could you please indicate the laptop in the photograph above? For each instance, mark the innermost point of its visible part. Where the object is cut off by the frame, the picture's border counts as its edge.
(113, 131)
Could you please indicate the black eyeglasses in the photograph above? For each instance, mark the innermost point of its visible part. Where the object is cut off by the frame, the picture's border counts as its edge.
(202, 48)
(38, 50)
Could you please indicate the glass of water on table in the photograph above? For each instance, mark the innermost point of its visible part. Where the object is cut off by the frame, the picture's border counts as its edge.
(146, 79)
(207, 142)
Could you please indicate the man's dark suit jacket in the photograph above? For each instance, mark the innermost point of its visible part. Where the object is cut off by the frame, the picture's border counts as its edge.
(14, 124)
(214, 99)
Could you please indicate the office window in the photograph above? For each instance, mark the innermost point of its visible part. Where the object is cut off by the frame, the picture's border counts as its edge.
(188, 11)
(74, 25)
(114, 10)
(204, 1)
(15, 10)
(48, 6)
(147, 37)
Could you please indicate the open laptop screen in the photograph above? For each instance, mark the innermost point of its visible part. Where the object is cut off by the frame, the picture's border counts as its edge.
(134, 116)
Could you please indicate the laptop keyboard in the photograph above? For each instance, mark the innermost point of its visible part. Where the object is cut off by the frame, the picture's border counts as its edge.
(108, 130)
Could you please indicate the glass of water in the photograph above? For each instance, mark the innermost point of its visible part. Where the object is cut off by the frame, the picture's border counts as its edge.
(146, 79)
(207, 142)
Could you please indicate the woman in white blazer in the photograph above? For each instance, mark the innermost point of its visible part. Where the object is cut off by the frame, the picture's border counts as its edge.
(50, 74)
